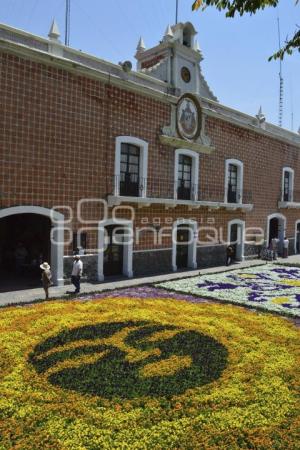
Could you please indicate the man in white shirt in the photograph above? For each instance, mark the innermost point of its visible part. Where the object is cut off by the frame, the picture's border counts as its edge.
(76, 273)
(285, 247)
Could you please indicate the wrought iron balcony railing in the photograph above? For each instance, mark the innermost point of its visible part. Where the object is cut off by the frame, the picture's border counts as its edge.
(289, 196)
(155, 187)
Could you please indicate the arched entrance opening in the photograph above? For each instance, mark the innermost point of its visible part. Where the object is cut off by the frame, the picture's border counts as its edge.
(24, 245)
(276, 229)
(113, 253)
(115, 248)
(235, 238)
(184, 244)
(30, 235)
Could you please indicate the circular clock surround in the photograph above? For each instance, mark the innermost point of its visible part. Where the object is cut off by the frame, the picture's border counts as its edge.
(185, 74)
(188, 117)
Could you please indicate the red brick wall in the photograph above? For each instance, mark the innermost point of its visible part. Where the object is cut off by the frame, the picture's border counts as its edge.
(58, 135)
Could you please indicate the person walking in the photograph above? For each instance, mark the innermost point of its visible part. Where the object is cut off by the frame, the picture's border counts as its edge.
(285, 247)
(76, 273)
(46, 278)
(229, 255)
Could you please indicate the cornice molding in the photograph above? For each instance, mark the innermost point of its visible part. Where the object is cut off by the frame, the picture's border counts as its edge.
(39, 49)
(183, 143)
(80, 69)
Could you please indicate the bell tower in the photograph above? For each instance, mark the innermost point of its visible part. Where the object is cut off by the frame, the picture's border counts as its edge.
(176, 61)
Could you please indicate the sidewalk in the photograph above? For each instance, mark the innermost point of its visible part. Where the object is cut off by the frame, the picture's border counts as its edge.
(29, 295)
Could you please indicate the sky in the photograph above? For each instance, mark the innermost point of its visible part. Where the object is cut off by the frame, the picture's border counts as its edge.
(235, 50)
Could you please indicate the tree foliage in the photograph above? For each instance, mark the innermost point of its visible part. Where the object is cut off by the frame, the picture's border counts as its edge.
(232, 7)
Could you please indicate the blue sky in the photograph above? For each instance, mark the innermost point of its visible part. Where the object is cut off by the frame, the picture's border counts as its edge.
(235, 50)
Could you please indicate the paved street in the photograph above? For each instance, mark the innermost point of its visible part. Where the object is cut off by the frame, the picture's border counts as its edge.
(29, 295)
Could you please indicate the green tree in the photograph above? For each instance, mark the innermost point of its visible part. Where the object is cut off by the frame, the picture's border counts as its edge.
(231, 7)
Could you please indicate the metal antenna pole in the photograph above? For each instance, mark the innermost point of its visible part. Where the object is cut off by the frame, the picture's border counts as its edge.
(280, 79)
(292, 107)
(176, 15)
(67, 22)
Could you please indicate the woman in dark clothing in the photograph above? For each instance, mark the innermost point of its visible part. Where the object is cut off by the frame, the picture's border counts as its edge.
(229, 255)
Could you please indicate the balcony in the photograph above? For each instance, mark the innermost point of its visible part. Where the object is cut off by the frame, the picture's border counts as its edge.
(289, 200)
(171, 194)
(130, 185)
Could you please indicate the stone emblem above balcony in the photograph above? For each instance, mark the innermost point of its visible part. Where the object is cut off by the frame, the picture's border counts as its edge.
(187, 127)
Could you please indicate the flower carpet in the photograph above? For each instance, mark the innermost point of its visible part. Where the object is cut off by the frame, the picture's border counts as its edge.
(147, 373)
(143, 292)
(272, 288)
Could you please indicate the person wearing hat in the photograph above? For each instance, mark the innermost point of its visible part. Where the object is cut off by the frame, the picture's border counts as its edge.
(46, 278)
(76, 273)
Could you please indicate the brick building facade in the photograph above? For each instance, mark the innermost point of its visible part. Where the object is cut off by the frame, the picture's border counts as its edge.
(91, 150)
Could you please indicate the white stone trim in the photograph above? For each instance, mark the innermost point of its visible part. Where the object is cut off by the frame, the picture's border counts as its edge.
(288, 205)
(143, 145)
(195, 170)
(295, 241)
(192, 250)
(127, 250)
(215, 109)
(240, 178)
(282, 220)
(148, 250)
(172, 203)
(137, 82)
(240, 256)
(57, 234)
(291, 172)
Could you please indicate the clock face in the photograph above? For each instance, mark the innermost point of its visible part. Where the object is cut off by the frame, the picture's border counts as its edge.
(185, 74)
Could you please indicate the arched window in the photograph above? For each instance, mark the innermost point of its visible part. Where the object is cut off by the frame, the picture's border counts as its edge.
(131, 166)
(233, 181)
(287, 186)
(186, 37)
(186, 175)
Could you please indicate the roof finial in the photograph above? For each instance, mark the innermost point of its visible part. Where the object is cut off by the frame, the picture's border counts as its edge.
(54, 31)
(141, 45)
(197, 46)
(261, 118)
(168, 34)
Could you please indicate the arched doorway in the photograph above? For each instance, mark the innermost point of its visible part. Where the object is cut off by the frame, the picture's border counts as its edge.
(235, 238)
(184, 245)
(274, 229)
(24, 245)
(30, 235)
(297, 237)
(276, 226)
(115, 247)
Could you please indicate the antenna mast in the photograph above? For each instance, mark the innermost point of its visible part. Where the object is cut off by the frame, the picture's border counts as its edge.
(67, 22)
(292, 108)
(176, 14)
(280, 79)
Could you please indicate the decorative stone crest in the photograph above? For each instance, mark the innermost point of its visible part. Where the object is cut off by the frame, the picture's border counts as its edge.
(188, 117)
(187, 128)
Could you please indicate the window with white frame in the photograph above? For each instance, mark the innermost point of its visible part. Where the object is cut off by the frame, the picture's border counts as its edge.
(131, 167)
(186, 175)
(287, 188)
(233, 181)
